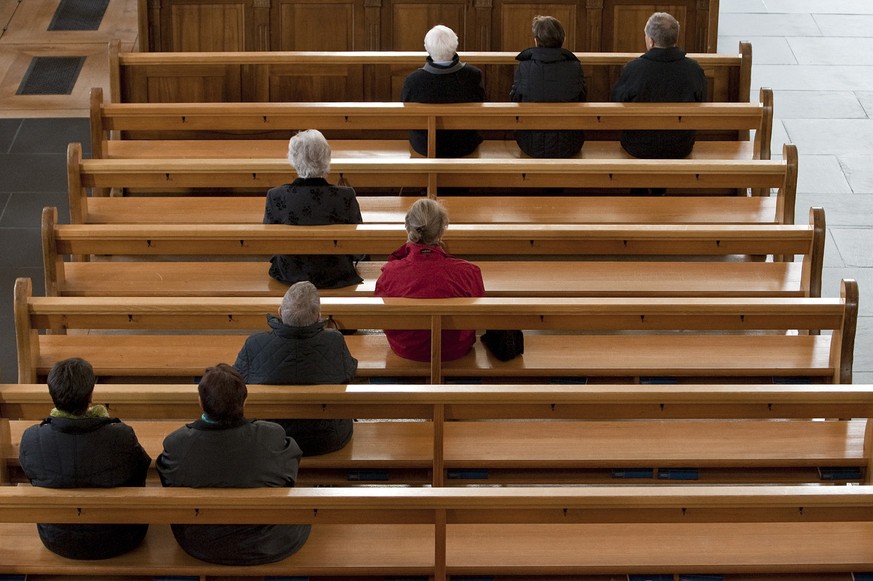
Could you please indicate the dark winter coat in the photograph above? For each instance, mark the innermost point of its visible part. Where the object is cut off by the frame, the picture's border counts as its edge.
(422, 271)
(454, 83)
(313, 202)
(662, 75)
(242, 454)
(549, 75)
(85, 453)
(301, 355)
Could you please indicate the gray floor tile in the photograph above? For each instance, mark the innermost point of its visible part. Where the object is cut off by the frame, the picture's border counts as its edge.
(25, 209)
(38, 172)
(863, 341)
(52, 136)
(859, 172)
(862, 377)
(4, 201)
(844, 24)
(817, 105)
(832, 258)
(821, 6)
(8, 131)
(770, 50)
(840, 210)
(750, 25)
(22, 247)
(855, 246)
(778, 139)
(821, 173)
(742, 6)
(811, 77)
(831, 136)
(830, 286)
(866, 100)
(832, 51)
(8, 362)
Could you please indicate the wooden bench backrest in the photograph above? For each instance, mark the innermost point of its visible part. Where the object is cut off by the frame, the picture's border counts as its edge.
(243, 76)
(270, 120)
(243, 315)
(262, 174)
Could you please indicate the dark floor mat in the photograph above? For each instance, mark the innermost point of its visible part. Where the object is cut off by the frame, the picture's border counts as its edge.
(79, 15)
(51, 75)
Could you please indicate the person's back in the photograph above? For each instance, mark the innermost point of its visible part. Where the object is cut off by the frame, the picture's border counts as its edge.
(662, 75)
(422, 268)
(80, 446)
(223, 449)
(547, 73)
(444, 79)
(300, 350)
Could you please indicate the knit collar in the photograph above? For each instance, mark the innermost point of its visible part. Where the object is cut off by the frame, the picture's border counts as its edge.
(95, 411)
(455, 66)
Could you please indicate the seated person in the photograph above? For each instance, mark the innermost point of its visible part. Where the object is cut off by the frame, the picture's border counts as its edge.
(423, 269)
(444, 79)
(311, 201)
(662, 75)
(223, 449)
(80, 446)
(547, 73)
(299, 350)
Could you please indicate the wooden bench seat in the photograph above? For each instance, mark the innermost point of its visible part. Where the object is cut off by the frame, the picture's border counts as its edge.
(617, 260)
(230, 77)
(131, 130)
(211, 177)
(480, 531)
(625, 337)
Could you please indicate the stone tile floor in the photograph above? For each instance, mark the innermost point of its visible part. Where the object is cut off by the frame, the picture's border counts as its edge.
(815, 55)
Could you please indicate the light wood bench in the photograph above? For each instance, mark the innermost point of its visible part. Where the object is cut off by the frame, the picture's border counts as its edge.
(261, 130)
(608, 260)
(718, 338)
(143, 77)
(212, 177)
(435, 532)
(554, 433)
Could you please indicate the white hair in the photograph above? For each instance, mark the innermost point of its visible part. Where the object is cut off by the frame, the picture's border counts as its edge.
(441, 43)
(309, 154)
(301, 305)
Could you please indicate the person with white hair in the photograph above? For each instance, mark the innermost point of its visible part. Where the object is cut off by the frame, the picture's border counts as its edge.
(299, 350)
(662, 75)
(311, 201)
(444, 79)
(422, 269)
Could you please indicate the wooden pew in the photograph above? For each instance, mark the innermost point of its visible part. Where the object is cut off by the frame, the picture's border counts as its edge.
(537, 532)
(613, 176)
(717, 338)
(567, 434)
(150, 77)
(665, 260)
(261, 130)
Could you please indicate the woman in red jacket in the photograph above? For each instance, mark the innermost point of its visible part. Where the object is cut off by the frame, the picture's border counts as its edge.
(423, 269)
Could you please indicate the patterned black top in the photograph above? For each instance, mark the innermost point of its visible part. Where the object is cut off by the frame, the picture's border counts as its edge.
(312, 202)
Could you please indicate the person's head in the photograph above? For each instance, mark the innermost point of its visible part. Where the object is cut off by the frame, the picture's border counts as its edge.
(441, 43)
(426, 222)
(71, 384)
(309, 154)
(547, 32)
(662, 31)
(301, 305)
(222, 393)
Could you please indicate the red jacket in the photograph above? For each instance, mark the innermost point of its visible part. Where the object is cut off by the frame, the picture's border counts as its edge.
(428, 272)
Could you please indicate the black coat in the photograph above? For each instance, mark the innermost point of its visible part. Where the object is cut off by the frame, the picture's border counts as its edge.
(313, 202)
(455, 83)
(662, 75)
(549, 75)
(242, 454)
(301, 356)
(85, 453)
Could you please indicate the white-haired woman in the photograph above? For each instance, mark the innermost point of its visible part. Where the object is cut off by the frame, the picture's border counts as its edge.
(311, 201)
(423, 269)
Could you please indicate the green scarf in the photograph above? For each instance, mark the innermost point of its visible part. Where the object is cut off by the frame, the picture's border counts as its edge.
(95, 411)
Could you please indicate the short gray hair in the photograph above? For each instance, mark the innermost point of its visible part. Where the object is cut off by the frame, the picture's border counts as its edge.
(426, 221)
(663, 29)
(301, 305)
(309, 154)
(548, 31)
(441, 43)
